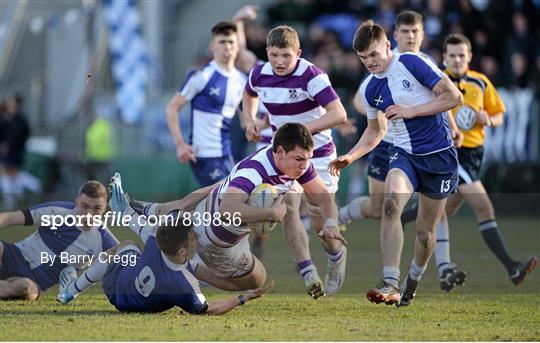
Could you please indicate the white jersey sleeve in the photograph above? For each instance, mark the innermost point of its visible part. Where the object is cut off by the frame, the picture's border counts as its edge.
(194, 84)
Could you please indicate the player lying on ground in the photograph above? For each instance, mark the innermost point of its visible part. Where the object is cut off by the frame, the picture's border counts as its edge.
(159, 278)
(34, 263)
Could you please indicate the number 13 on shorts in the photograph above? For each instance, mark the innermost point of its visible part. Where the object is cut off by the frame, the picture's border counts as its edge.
(445, 186)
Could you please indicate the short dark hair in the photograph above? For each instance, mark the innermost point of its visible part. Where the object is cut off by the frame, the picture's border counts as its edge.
(291, 135)
(225, 27)
(173, 235)
(455, 39)
(283, 37)
(94, 189)
(409, 17)
(366, 34)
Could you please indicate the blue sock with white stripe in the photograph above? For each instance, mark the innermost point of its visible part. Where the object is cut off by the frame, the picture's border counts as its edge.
(442, 246)
(93, 274)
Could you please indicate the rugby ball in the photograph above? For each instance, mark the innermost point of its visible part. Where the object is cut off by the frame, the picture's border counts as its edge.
(263, 196)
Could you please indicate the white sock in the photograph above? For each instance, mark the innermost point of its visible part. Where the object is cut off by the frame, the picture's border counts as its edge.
(391, 275)
(305, 268)
(416, 271)
(334, 255)
(442, 246)
(150, 209)
(351, 211)
(93, 274)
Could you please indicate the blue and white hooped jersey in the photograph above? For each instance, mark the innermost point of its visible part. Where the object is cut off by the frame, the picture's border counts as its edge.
(66, 243)
(408, 81)
(215, 95)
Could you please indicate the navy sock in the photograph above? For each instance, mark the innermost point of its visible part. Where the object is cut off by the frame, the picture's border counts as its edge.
(494, 240)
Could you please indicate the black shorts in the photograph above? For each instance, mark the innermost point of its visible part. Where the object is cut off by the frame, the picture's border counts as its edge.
(470, 162)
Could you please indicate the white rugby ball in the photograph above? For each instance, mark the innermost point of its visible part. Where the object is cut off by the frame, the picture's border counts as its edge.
(263, 196)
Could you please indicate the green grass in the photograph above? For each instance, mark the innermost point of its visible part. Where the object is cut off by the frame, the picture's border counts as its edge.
(488, 307)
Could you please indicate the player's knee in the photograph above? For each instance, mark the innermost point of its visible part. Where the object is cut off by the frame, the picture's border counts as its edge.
(26, 289)
(425, 238)
(390, 206)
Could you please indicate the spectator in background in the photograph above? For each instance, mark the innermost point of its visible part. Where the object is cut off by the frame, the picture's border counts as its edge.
(470, 16)
(15, 132)
(386, 15)
(490, 67)
(521, 40)
(256, 40)
(433, 25)
(519, 53)
(519, 71)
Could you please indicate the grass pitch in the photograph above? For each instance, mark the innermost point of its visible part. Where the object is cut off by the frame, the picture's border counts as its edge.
(488, 307)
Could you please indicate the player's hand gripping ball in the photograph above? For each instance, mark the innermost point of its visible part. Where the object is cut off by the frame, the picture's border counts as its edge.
(263, 196)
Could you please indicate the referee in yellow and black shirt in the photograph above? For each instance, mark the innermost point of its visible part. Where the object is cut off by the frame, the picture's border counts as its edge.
(483, 107)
